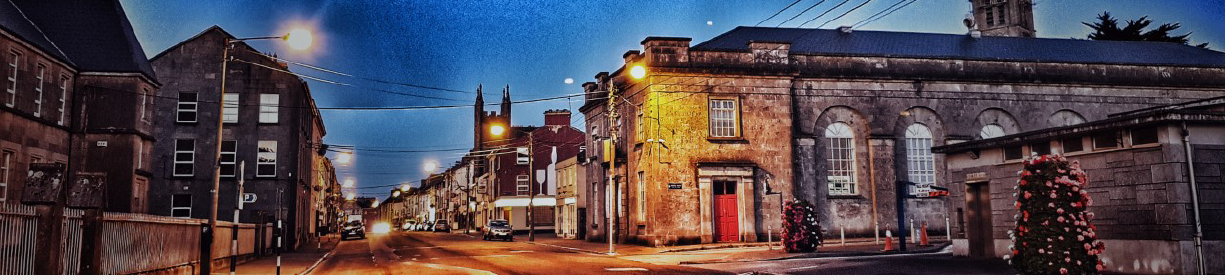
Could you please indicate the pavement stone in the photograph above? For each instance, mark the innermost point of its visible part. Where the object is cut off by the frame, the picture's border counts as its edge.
(297, 262)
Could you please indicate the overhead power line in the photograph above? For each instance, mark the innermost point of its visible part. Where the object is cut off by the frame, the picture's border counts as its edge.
(886, 14)
(330, 71)
(824, 13)
(801, 13)
(845, 13)
(899, 2)
(779, 12)
(347, 84)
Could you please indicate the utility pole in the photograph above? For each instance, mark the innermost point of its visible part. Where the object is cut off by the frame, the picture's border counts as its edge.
(612, 164)
(237, 208)
(531, 181)
(468, 199)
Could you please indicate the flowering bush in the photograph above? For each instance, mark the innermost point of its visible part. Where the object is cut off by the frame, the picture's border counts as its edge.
(1053, 234)
(801, 230)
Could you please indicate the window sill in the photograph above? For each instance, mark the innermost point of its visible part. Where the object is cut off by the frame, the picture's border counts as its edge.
(727, 140)
(845, 196)
(186, 123)
(183, 176)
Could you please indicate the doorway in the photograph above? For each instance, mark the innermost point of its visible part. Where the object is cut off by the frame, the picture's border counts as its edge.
(727, 226)
(978, 217)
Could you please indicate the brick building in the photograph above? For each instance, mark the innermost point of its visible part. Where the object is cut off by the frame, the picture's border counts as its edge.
(270, 123)
(1140, 180)
(510, 186)
(840, 118)
(571, 209)
(77, 67)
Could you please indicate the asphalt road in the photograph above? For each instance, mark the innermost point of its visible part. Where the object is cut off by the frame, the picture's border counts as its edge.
(446, 253)
(923, 264)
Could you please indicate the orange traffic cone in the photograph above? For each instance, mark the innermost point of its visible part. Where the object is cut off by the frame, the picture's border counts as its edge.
(888, 241)
(923, 235)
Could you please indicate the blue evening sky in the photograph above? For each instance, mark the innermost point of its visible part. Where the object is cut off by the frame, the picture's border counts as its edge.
(533, 46)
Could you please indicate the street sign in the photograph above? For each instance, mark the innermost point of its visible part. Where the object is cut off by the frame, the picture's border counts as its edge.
(249, 198)
(675, 186)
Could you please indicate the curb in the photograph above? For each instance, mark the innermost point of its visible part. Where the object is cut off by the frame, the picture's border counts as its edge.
(569, 248)
(713, 247)
(934, 249)
(310, 269)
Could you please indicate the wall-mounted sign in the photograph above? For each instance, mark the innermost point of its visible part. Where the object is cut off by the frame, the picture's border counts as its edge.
(43, 183)
(976, 177)
(87, 190)
(675, 186)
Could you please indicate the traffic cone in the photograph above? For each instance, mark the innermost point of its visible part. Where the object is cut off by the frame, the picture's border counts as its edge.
(923, 235)
(888, 241)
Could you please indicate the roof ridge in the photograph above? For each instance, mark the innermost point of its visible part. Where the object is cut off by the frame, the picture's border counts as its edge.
(40, 31)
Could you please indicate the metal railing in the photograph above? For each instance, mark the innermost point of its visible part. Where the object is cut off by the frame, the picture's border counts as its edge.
(18, 232)
(137, 243)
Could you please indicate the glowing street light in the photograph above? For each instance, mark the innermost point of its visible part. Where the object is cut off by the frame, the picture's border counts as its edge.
(497, 130)
(350, 197)
(375, 204)
(349, 183)
(638, 72)
(299, 39)
(404, 187)
(344, 157)
(395, 193)
(430, 166)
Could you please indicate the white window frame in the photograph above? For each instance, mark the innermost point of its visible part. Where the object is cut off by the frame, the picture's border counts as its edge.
(522, 185)
(177, 207)
(41, 76)
(641, 133)
(266, 157)
(642, 197)
(63, 98)
(522, 156)
(232, 163)
(920, 162)
(724, 118)
(178, 150)
(12, 77)
(229, 109)
(6, 165)
(144, 105)
(841, 174)
(268, 108)
(140, 153)
(194, 105)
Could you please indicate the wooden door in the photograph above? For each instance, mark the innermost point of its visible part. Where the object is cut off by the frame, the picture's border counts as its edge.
(978, 216)
(727, 226)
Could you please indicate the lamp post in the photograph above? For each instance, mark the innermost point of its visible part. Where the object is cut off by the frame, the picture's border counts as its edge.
(636, 72)
(297, 39)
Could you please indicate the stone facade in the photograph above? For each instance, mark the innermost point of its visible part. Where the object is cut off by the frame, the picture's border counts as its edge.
(276, 131)
(1138, 179)
(24, 137)
(1014, 18)
(571, 199)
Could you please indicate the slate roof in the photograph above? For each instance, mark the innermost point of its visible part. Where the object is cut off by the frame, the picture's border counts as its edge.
(15, 22)
(94, 34)
(960, 46)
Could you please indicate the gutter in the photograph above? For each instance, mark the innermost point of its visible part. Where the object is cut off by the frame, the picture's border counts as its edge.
(1198, 236)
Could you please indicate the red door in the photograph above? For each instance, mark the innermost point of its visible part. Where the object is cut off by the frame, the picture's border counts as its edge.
(727, 227)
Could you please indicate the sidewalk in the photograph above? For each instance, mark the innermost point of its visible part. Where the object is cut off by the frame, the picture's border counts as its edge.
(297, 262)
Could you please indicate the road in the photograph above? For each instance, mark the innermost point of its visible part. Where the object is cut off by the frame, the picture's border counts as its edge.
(928, 263)
(446, 253)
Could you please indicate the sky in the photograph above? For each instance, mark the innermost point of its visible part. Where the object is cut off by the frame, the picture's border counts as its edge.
(533, 47)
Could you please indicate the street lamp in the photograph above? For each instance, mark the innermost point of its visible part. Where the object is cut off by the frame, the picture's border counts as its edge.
(404, 187)
(395, 193)
(497, 130)
(636, 72)
(430, 167)
(348, 184)
(297, 39)
(344, 157)
(350, 197)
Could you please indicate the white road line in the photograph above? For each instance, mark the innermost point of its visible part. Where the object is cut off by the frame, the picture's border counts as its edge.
(517, 251)
(625, 269)
(804, 267)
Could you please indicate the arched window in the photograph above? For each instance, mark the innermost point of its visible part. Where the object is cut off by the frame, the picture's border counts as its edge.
(841, 172)
(991, 131)
(920, 164)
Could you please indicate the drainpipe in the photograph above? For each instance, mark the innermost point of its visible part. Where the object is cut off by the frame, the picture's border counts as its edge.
(1198, 237)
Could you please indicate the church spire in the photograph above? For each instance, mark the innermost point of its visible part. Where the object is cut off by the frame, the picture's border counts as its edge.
(506, 102)
(478, 120)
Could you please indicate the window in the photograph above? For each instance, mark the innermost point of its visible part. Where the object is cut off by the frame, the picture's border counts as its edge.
(642, 197)
(1105, 140)
(1011, 153)
(521, 185)
(641, 128)
(180, 206)
(140, 153)
(184, 157)
(228, 158)
(1141, 136)
(991, 131)
(990, 16)
(1003, 14)
(268, 107)
(229, 109)
(521, 157)
(841, 177)
(1043, 148)
(40, 75)
(266, 164)
(63, 97)
(920, 163)
(6, 164)
(187, 107)
(14, 59)
(723, 118)
(1073, 144)
(144, 102)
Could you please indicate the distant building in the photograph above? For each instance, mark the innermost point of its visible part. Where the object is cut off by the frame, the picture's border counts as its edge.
(718, 133)
(270, 123)
(1013, 18)
(1140, 183)
(76, 67)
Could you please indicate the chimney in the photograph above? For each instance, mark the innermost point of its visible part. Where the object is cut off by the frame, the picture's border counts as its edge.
(845, 29)
(560, 117)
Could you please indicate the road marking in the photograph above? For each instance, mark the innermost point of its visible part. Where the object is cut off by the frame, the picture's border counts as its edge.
(625, 269)
(804, 267)
(517, 251)
(593, 253)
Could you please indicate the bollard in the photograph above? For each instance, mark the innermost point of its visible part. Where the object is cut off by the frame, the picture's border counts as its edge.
(913, 233)
(948, 231)
(877, 232)
(842, 233)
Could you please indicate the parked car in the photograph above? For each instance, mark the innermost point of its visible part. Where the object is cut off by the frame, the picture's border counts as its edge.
(498, 229)
(353, 228)
(409, 224)
(442, 225)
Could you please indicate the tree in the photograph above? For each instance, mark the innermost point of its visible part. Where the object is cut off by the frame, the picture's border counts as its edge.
(801, 230)
(1053, 233)
(1107, 28)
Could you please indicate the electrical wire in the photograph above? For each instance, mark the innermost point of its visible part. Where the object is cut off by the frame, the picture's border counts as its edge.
(347, 84)
(779, 12)
(899, 2)
(887, 14)
(826, 12)
(845, 13)
(801, 13)
(330, 71)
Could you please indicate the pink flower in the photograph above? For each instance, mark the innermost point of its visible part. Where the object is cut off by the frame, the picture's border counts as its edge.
(1052, 195)
(1063, 271)
(1080, 238)
(1041, 251)
(1060, 211)
(1099, 267)
(1087, 246)
(1048, 183)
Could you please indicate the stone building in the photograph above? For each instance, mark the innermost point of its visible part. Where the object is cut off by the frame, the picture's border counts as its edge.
(513, 178)
(1141, 176)
(571, 209)
(841, 118)
(1014, 18)
(77, 67)
(271, 126)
